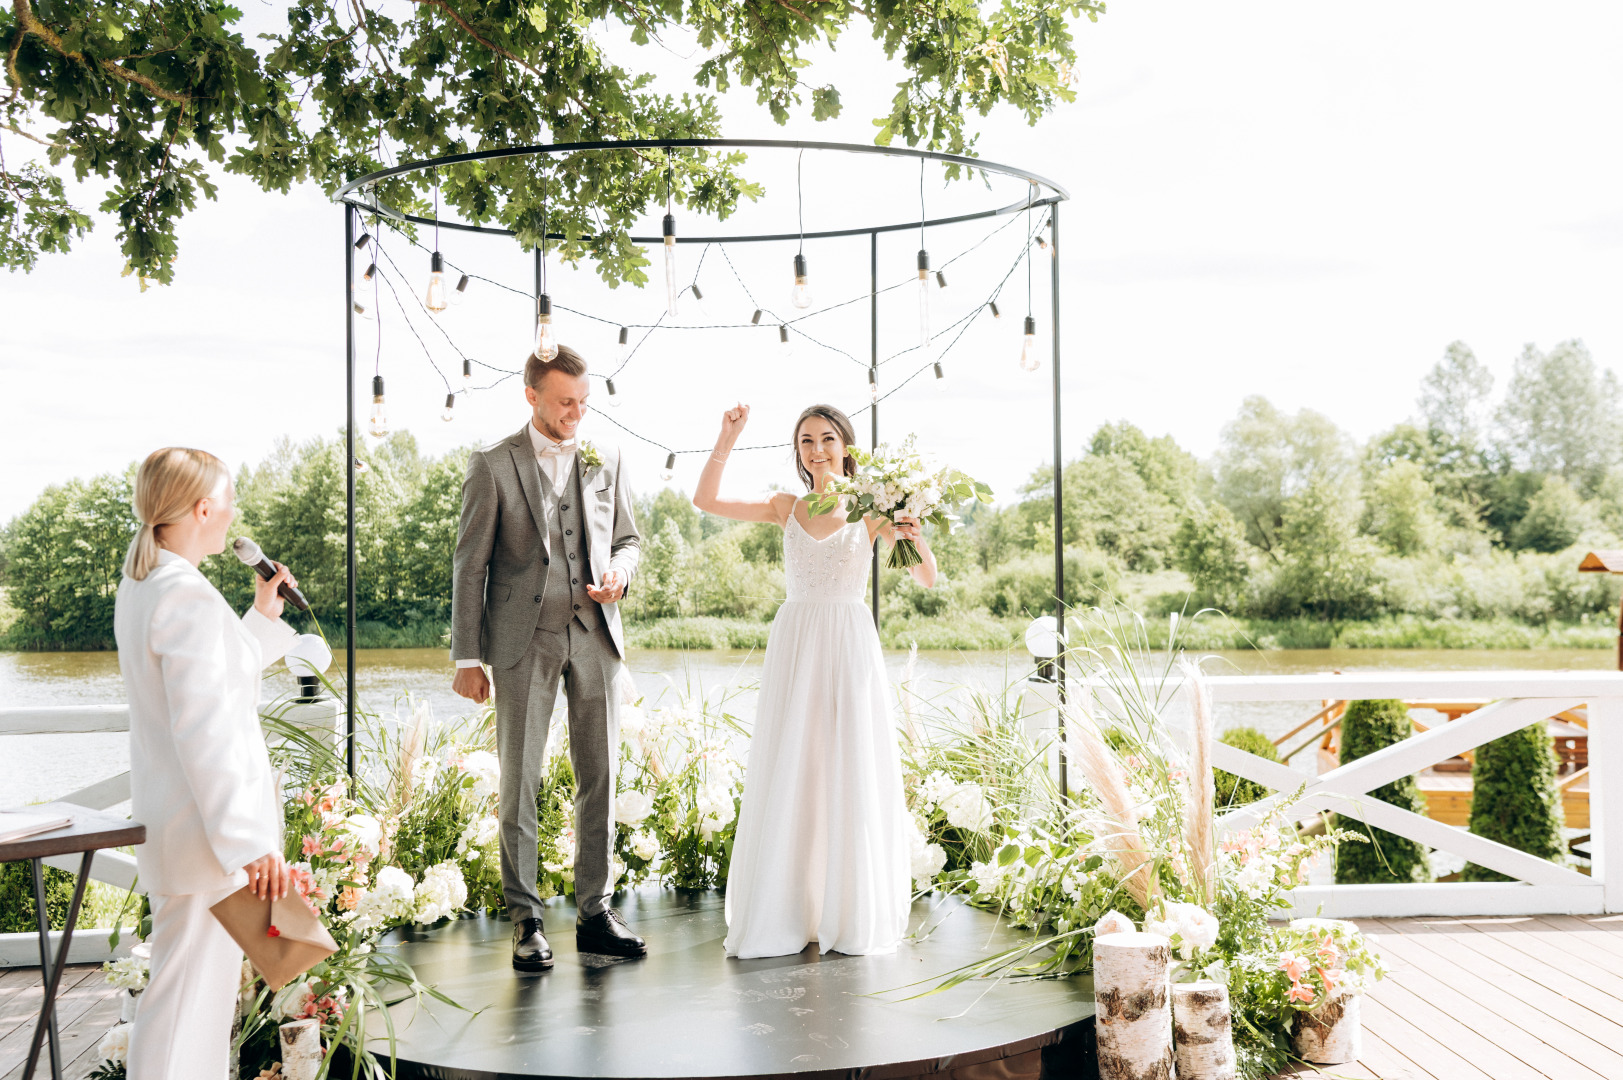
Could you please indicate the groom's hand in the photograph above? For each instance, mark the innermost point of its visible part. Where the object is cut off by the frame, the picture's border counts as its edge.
(610, 591)
(472, 683)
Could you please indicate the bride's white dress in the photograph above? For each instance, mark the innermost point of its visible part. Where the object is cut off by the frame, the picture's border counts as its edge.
(821, 850)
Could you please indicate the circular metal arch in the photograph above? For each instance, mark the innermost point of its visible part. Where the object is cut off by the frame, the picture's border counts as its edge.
(351, 193)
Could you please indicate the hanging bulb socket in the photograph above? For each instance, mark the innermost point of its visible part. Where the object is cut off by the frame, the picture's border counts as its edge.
(873, 383)
(940, 280)
(378, 421)
(450, 403)
(467, 372)
(1029, 360)
(697, 293)
(366, 238)
(783, 335)
(370, 272)
(939, 374)
(435, 299)
(801, 296)
(546, 335)
(996, 314)
(924, 264)
(755, 320)
(614, 399)
(669, 470)
(460, 293)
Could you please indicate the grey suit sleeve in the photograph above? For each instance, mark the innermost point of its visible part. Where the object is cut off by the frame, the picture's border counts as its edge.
(626, 549)
(475, 539)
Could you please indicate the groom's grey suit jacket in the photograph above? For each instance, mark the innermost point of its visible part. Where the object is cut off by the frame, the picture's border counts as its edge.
(498, 586)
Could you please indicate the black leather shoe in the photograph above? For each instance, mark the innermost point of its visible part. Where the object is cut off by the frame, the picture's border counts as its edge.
(530, 949)
(607, 934)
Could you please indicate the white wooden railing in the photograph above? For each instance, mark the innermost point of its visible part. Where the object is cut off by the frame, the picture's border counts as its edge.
(1518, 699)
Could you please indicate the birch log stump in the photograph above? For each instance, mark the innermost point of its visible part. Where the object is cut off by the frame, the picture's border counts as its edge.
(1332, 1034)
(301, 1049)
(1202, 1031)
(1134, 1016)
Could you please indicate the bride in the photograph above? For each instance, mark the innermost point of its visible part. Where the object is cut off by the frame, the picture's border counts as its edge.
(821, 852)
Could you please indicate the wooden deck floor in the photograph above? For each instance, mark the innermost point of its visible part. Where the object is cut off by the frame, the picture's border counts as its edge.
(1468, 999)
(1524, 998)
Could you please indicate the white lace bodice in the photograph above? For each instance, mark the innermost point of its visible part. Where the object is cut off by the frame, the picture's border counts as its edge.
(831, 569)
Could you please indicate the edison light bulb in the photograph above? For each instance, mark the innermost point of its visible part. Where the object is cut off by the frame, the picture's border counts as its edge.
(370, 272)
(450, 402)
(377, 422)
(460, 293)
(363, 309)
(435, 299)
(801, 296)
(467, 373)
(873, 384)
(546, 335)
(1029, 360)
(924, 297)
(996, 314)
(623, 352)
(670, 265)
(785, 346)
(755, 320)
(669, 470)
(940, 379)
(614, 398)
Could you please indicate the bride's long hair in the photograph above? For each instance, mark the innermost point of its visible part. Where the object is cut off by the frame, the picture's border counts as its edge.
(842, 424)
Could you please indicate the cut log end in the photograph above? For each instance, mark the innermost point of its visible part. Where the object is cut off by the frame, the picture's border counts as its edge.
(1202, 1031)
(1332, 1034)
(1134, 1015)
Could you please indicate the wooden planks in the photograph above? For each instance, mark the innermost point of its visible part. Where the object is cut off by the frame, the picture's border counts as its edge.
(1514, 998)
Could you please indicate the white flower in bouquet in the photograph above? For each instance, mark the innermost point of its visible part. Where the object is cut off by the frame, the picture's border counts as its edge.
(633, 807)
(966, 807)
(424, 769)
(934, 788)
(115, 1045)
(365, 832)
(564, 849)
(716, 809)
(389, 899)
(644, 845)
(1189, 927)
(1112, 922)
(127, 972)
(441, 892)
(987, 878)
(479, 835)
(486, 771)
(927, 863)
(633, 721)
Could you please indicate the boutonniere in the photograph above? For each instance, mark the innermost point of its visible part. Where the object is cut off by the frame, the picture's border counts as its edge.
(589, 456)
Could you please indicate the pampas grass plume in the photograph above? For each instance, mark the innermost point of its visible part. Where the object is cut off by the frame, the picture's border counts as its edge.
(1201, 833)
(1104, 775)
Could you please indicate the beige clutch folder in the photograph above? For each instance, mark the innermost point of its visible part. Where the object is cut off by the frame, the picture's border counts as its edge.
(283, 938)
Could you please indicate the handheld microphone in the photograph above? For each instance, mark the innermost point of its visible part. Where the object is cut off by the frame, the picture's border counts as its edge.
(249, 552)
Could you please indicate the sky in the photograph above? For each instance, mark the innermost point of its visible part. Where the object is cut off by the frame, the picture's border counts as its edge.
(1286, 199)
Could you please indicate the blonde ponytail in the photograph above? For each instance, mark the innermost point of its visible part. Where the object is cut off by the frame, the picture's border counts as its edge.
(169, 484)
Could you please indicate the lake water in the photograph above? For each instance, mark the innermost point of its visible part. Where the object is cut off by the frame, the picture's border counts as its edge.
(36, 767)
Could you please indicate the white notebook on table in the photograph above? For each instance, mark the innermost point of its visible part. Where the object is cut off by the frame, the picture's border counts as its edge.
(18, 824)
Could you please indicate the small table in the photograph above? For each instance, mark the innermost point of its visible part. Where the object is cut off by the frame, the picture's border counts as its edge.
(90, 831)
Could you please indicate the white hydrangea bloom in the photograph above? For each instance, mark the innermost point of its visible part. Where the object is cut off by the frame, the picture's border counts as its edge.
(633, 807)
(934, 788)
(485, 769)
(987, 877)
(127, 972)
(115, 1045)
(479, 835)
(644, 845)
(966, 807)
(633, 722)
(442, 891)
(389, 899)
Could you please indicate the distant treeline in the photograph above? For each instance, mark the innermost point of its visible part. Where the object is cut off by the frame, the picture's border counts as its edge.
(1470, 511)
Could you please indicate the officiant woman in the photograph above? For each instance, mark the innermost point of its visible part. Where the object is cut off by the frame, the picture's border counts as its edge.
(200, 777)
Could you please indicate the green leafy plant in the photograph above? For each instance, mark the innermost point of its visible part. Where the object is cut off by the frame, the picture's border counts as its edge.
(1515, 800)
(1368, 726)
(1232, 790)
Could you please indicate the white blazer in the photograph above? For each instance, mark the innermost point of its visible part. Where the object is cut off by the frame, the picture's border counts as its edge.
(200, 778)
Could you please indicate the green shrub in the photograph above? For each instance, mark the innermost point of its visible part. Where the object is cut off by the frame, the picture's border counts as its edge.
(966, 630)
(18, 912)
(1235, 790)
(696, 633)
(1514, 798)
(1387, 859)
(1024, 587)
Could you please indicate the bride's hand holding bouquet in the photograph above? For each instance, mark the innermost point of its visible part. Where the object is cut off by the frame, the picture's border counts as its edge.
(900, 487)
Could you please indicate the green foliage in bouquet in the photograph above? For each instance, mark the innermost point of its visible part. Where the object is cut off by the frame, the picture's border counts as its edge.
(898, 483)
(1232, 790)
(1369, 726)
(1514, 798)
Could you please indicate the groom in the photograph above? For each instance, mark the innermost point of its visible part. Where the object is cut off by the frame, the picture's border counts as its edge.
(545, 549)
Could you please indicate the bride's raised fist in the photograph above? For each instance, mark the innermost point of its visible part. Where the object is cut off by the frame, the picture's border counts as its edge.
(733, 421)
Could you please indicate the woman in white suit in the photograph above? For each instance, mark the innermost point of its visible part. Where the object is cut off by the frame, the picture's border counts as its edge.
(200, 778)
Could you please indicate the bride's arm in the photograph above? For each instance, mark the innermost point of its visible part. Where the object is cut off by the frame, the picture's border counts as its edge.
(925, 572)
(707, 496)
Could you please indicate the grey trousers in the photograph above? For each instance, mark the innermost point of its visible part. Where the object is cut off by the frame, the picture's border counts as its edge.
(587, 663)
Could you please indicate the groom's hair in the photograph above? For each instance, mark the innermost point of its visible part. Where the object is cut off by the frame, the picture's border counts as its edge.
(568, 361)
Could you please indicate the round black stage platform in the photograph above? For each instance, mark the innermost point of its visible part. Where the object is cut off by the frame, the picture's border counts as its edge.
(686, 1011)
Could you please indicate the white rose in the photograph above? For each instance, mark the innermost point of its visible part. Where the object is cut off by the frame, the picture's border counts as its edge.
(633, 807)
(1113, 922)
(115, 1045)
(1198, 928)
(485, 769)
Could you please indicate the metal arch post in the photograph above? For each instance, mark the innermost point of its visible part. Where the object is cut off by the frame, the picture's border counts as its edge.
(1059, 507)
(873, 411)
(349, 490)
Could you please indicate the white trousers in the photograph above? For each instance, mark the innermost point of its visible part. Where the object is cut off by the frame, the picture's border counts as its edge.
(183, 1024)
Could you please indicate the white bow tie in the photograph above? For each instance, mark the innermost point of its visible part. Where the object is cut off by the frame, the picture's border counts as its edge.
(557, 449)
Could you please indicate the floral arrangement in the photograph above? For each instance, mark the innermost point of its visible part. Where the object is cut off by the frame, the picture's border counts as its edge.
(898, 483)
(1320, 959)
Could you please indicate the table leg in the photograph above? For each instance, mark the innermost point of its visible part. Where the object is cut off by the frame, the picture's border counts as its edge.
(52, 973)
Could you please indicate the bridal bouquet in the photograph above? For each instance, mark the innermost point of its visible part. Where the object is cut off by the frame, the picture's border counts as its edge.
(899, 484)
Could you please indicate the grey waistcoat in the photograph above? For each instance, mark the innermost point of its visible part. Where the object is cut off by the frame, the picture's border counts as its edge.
(568, 572)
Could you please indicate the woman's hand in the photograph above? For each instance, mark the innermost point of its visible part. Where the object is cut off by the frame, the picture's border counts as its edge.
(267, 601)
(268, 876)
(732, 426)
(908, 529)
